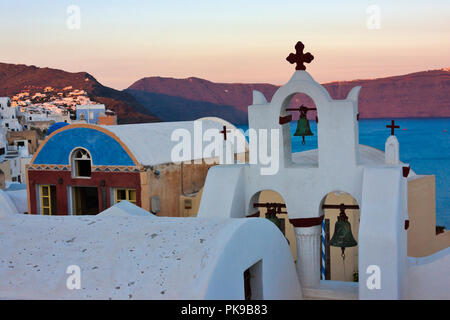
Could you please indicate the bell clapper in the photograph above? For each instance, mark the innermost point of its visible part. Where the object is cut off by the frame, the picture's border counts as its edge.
(343, 253)
(343, 260)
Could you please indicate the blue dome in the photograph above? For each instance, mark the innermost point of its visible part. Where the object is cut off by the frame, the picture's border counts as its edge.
(56, 126)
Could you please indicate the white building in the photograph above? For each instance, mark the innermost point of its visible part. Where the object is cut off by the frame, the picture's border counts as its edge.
(90, 113)
(9, 115)
(13, 158)
(3, 143)
(41, 114)
(379, 186)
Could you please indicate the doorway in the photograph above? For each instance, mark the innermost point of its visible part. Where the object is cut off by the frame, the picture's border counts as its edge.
(253, 286)
(85, 200)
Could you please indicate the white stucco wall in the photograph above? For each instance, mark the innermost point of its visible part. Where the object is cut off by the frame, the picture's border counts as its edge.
(17, 193)
(382, 236)
(429, 277)
(136, 257)
(7, 207)
(9, 115)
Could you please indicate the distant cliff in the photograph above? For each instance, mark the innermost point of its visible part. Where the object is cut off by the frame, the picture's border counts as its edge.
(421, 94)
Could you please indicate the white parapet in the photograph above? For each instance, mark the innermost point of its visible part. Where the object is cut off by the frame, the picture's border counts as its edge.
(392, 151)
(138, 257)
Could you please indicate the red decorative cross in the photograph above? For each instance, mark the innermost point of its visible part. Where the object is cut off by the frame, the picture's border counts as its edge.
(393, 127)
(299, 57)
(224, 132)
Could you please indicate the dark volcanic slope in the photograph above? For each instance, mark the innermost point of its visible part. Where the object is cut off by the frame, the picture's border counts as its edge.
(238, 95)
(14, 78)
(170, 108)
(421, 94)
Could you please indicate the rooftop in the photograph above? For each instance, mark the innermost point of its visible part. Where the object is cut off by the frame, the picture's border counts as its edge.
(151, 143)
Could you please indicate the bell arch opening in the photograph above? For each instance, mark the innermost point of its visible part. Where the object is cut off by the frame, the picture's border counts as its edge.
(339, 239)
(300, 127)
(263, 204)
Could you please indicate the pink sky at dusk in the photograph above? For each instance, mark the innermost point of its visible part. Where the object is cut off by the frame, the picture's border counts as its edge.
(226, 41)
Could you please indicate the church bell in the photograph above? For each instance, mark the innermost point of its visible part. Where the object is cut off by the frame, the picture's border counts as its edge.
(343, 236)
(303, 128)
(277, 221)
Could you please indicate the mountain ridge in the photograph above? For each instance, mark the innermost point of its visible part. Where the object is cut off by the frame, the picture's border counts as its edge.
(157, 98)
(397, 96)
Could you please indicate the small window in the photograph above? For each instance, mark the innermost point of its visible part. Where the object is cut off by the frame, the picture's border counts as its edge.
(81, 163)
(188, 204)
(126, 194)
(48, 199)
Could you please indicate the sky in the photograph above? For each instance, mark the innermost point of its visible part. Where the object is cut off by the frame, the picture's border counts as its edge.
(119, 42)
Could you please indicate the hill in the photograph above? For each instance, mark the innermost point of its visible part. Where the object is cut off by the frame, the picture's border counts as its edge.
(415, 95)
(15, 78)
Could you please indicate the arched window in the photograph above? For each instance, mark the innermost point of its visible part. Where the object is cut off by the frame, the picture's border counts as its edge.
(81, 163)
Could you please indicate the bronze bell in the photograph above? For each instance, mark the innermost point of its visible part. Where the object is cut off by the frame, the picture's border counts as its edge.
(277, 221)
(303, 128)
(343, 236)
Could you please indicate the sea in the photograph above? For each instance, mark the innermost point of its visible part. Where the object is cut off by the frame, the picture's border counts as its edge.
(424, 145)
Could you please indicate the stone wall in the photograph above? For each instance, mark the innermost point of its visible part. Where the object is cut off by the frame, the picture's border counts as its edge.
(422, 237)
(169, 182)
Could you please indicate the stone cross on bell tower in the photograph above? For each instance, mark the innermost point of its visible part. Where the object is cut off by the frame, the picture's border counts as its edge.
(299, 57)
(227, 155)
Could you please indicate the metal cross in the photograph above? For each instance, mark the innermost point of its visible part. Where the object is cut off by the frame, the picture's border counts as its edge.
(393, 127)
(299, 57)
(224, 132)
